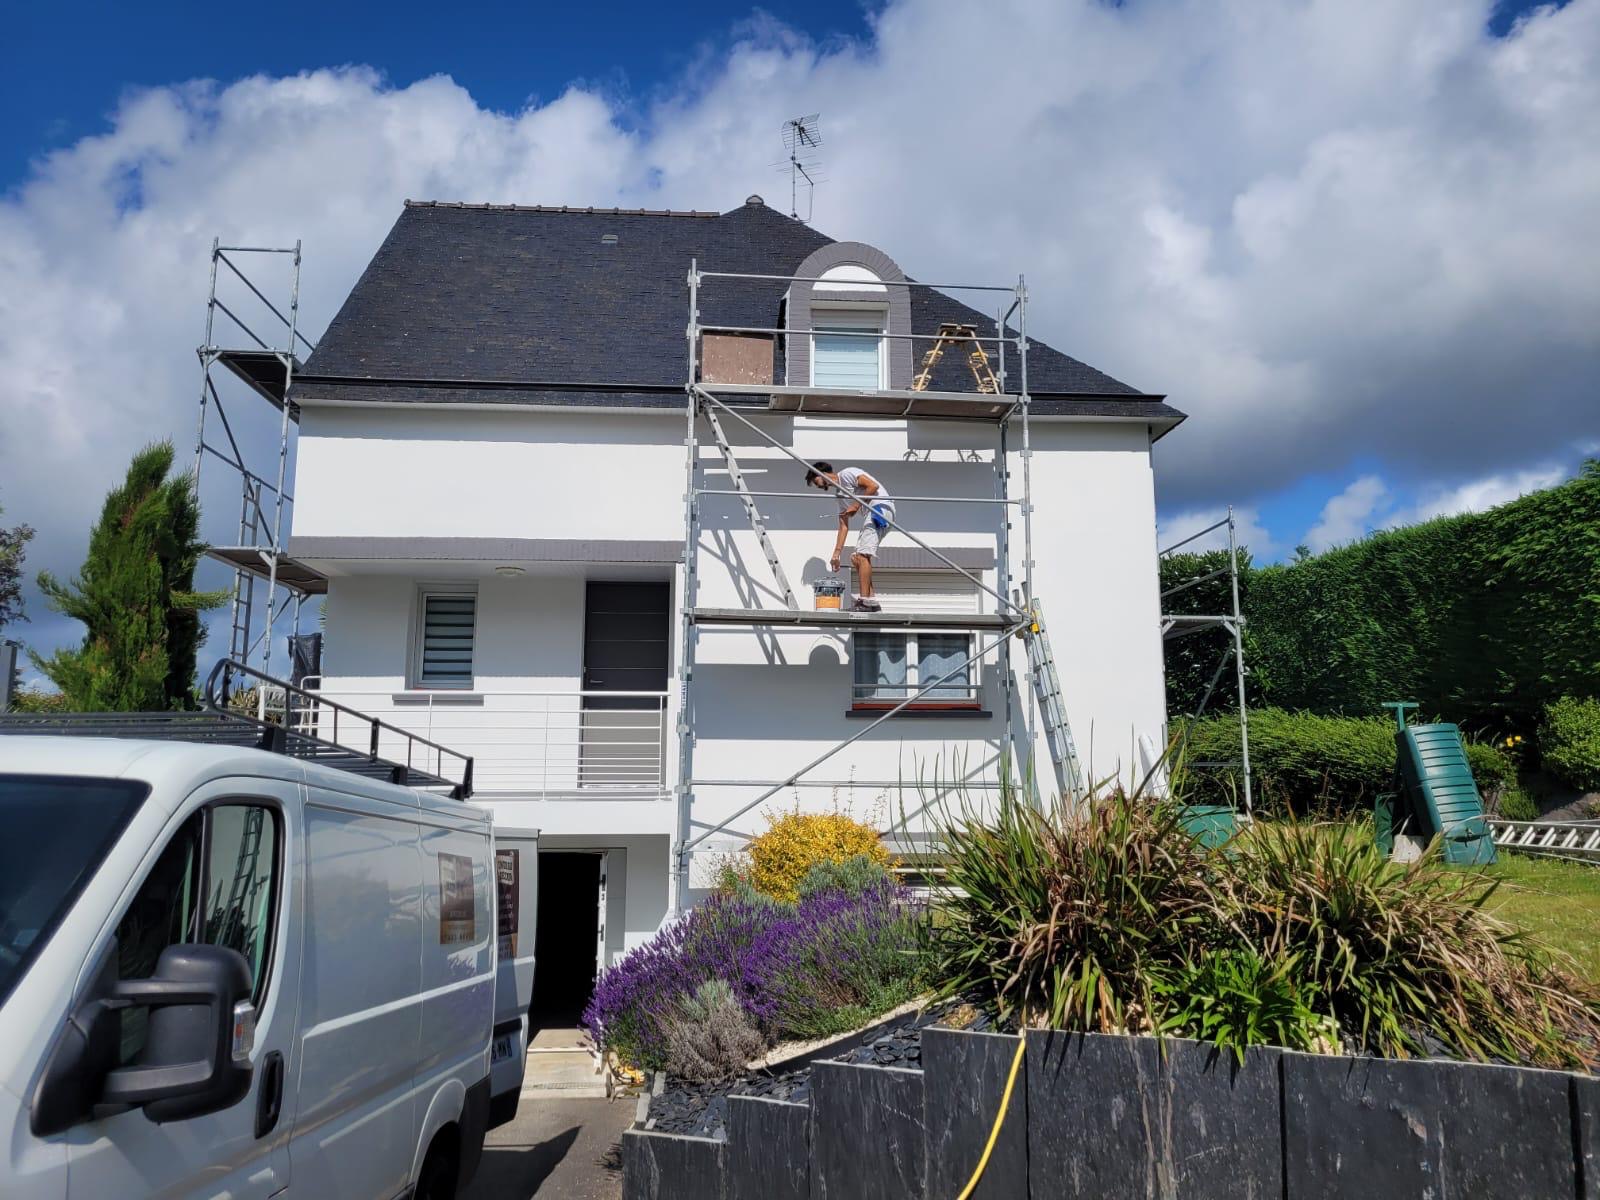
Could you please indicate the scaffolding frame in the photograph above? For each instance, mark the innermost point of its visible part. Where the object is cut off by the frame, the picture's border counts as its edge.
(268, 368)
(1175, 626)
(1015, 614)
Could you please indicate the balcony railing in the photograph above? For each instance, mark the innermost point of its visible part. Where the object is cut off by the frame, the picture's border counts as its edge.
(596, 745)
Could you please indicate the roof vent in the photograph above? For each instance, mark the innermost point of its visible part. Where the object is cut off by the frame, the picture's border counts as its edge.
(757, 201)
(608, 239)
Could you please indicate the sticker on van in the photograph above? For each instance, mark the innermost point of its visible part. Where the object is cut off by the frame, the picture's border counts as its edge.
(456, 897)
(508, 884)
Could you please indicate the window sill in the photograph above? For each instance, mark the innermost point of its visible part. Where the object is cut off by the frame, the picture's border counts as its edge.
(953, 712)
(424, 694)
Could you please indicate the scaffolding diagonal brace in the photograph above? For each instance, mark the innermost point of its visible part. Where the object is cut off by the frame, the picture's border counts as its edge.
(750, 509)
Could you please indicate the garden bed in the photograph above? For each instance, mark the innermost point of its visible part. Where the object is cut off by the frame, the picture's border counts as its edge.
(701, 1109)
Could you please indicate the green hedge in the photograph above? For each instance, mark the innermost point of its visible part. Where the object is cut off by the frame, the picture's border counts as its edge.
(1309, 763)
(1485, 618)
(1569, 742)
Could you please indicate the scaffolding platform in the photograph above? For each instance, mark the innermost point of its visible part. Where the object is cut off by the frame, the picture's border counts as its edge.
(834, 618)
(263, 371)
(892, 403)
(292, 573)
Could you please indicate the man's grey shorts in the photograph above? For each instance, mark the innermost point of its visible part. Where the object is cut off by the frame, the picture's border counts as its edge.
(867, 540)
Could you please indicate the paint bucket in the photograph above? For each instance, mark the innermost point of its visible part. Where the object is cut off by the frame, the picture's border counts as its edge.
(829, 593)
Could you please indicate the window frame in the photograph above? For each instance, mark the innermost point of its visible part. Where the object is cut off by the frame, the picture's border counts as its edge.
(820, 309)
(973, 702)
(260, 986)
(414, 677)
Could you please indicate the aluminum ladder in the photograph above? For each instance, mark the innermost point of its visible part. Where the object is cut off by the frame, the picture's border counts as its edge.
(1052, 706)
(750, 509)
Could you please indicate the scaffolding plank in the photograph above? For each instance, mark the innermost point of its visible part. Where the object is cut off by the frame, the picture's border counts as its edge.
(263, 371)
(791, 398)
(292, 573)
(828, 618)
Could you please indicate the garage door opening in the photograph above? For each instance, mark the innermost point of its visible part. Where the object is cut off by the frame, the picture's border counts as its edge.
(571, 932)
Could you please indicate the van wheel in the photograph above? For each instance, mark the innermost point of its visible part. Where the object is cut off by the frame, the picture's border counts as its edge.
(437, 1180)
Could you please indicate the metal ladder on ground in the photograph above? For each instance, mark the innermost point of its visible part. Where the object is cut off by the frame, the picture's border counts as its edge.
(977, 361)
(1052, 705)
(750, 510)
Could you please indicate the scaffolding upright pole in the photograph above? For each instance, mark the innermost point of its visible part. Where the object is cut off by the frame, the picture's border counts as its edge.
(686, 605)
(1027, 518)
(1238, 663)
(274, 608)
(205, 366)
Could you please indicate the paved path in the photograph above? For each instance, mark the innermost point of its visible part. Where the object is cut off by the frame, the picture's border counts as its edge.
(554, 1150)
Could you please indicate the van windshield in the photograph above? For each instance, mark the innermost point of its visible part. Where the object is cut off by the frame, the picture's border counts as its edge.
(57, 831)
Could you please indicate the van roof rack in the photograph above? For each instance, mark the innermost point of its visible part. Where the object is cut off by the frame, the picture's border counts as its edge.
(287, 719)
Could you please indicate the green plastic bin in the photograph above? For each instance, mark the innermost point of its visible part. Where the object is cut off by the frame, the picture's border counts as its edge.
(1438, 781)
(1212, 825)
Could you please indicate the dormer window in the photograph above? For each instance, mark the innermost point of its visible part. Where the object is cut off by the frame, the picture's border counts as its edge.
(850, 317)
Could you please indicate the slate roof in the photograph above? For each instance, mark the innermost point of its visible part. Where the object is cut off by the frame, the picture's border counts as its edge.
(526, 305)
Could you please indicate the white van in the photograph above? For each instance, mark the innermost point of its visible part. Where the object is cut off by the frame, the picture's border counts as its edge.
(230, 972)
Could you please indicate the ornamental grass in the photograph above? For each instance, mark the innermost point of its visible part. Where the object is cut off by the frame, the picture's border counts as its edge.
(1116, 919)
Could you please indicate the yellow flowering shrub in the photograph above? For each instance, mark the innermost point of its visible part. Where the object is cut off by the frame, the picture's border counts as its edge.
(795, 842)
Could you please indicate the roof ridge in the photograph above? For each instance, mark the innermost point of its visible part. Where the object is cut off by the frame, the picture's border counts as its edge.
(561, 208)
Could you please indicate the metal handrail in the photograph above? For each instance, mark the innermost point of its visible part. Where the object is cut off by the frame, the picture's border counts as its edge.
(220, 684)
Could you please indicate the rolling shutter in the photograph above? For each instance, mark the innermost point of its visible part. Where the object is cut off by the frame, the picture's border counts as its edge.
(942, 591)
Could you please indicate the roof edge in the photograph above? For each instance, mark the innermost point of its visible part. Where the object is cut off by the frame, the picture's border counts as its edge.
(560, 208)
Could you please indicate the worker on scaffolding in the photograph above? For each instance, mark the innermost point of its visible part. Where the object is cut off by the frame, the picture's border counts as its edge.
(856, 491)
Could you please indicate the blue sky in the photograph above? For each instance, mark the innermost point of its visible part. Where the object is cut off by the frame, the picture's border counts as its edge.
(1359, 242)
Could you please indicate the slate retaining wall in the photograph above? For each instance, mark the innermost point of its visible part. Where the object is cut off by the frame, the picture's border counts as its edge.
(1101, 1116)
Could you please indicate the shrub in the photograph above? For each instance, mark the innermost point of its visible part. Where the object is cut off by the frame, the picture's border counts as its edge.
(853, 876)
(1514, 804)
(1058, 918)
(1236, 998)
(1569, 741)
(1304, 763)
(1117, 920)
(712, 1038)
(795, 842)
(798, 970)
(1395, 952)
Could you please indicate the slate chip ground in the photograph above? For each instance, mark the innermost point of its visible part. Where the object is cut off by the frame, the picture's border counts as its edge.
(701, 1110)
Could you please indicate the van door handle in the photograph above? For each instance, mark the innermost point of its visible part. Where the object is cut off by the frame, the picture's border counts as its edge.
(270, 1102)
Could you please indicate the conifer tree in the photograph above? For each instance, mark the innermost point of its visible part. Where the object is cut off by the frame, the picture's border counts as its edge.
(135, 593)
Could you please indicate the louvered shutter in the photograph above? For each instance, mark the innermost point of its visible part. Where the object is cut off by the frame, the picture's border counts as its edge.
(942, 591)
(447, 633)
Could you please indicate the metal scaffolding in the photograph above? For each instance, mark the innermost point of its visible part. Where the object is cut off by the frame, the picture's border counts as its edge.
(264, 577)
(1175, 626)
(1016, 612)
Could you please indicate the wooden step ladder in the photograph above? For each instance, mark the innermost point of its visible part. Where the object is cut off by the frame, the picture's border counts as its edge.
(951, 334)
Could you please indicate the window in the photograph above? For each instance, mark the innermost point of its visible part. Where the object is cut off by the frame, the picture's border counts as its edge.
(889, 667)
(841, 357)
(446, 630)
(216, 882)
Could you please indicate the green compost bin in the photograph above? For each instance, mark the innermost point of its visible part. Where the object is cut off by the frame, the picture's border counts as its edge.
(1212, 825)
(1440, 793)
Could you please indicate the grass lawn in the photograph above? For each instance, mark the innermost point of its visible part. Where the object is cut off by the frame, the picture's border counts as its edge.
(1556, 902)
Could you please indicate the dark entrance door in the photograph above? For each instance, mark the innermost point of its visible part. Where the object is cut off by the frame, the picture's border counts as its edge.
(625, 649)
(566, 942)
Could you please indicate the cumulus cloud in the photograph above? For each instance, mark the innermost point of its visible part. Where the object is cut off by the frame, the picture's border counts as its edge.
(1323, 229)
(1349, 515)
(1478, 494)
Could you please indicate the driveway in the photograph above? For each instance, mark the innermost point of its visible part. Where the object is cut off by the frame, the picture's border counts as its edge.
(556, 1149)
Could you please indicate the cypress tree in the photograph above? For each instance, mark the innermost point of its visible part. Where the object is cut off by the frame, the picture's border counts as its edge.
(135, 593)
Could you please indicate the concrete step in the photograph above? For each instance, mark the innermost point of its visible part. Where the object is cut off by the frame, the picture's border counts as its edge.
(567, 1072)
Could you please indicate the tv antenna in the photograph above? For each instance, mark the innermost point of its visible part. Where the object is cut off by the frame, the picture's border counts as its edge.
(802, 138)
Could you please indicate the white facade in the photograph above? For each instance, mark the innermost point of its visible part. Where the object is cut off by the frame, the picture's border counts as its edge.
(395, 500)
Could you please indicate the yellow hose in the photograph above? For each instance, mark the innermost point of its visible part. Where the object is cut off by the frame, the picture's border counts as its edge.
(999, 1120)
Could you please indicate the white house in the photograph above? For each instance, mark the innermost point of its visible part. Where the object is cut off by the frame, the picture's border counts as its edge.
(492, 472)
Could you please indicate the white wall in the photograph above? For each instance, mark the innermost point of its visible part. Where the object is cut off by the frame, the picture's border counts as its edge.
(526, 473)
(767, 702)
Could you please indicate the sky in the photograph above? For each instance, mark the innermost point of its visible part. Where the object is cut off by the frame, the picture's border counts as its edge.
(1358, 241)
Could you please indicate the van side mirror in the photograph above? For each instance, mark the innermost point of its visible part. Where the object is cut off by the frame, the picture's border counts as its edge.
(196, 1056)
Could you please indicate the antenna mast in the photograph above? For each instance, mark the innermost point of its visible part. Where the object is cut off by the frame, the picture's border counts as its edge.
(802, 136)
